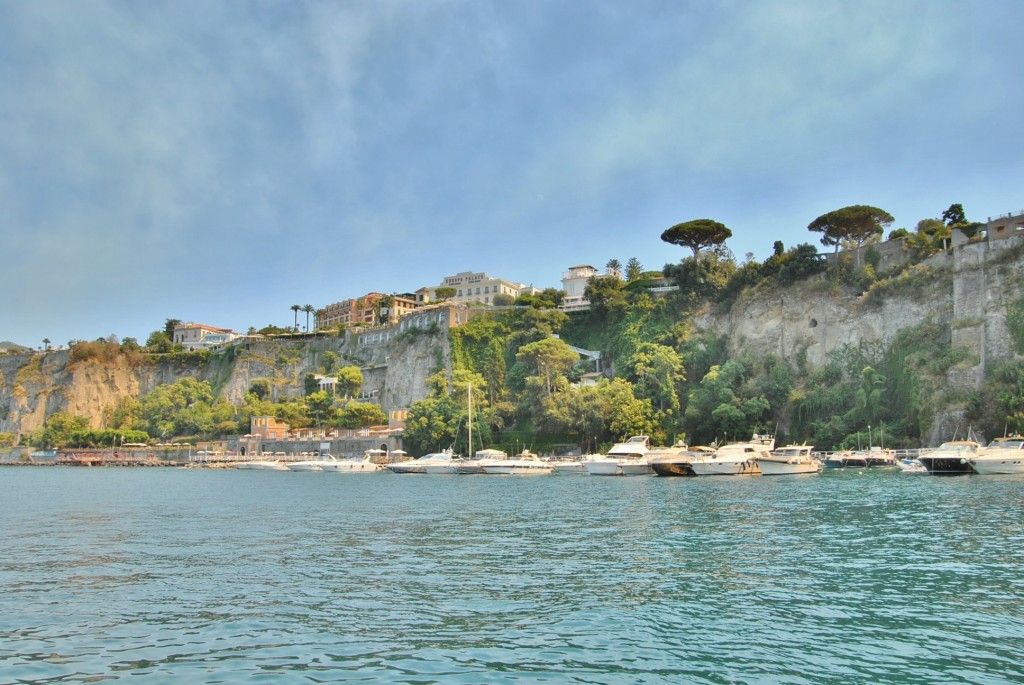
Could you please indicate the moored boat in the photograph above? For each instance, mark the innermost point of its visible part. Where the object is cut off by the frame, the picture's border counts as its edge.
(526, 464)
(624, 458)
(364, 465)
(474, 466)
(735, 459)
(420, 464)
(950, 458)
(1002, 456)
(676, 461)
(789, 460)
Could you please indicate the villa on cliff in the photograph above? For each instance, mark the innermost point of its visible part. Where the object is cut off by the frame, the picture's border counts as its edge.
(197, 336)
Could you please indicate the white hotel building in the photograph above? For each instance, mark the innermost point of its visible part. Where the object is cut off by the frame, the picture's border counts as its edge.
(475, 287)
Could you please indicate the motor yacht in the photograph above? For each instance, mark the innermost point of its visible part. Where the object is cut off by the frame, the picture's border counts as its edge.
(474, 466)
(312, 464)
(624, 458)
(789, 460)
(1002, 456)
(673, 461)
(735, 459)
(950, 458)
(420, 464)
(364, 465)
(526, 464)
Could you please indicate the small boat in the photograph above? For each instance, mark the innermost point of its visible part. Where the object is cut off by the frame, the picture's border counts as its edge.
(836, 460)
(526, 464)
(789, 460)
(911, 466)
(442, 463)
(624, 459)
(573, 466)
(950, 458)
(858, 459)
(420, 464)
(735, 459)
(1002, 456)
(675, 461)
(473, 466)
(364, 465)
(312, 464)
(261, 465)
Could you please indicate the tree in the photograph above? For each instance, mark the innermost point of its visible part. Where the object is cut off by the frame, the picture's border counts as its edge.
(296, 308)
(445, 292)
(613, 267)
(350, 380)
(169, 326)
(954, 216)
(309, 309)
(856, 223)
(633, 269)
(697, 234)
(549, 357)
(159, 341)
(46, 343)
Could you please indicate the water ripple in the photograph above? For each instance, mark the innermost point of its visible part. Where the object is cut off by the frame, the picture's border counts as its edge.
(226, 577)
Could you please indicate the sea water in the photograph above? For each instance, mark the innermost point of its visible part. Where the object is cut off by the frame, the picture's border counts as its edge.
(218, 576)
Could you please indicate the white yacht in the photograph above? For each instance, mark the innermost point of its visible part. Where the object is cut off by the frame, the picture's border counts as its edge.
(364, 465)
(624, 459)
(573, 466)
(312, 464)
(474, 465)
(788, 460)
(420, 465)
(261, 465)
(1002, 456)
(735, 459)
(442, 463)
(526, 464)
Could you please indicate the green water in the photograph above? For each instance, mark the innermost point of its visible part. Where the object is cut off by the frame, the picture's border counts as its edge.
(162, 575)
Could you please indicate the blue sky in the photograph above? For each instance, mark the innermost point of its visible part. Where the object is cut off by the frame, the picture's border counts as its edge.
(221, 161)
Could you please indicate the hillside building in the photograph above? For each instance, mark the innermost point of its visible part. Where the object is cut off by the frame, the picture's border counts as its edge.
(574, 283)
(197, 336)
(473, 286)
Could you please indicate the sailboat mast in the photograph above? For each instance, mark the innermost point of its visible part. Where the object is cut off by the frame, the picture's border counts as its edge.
(469, 396)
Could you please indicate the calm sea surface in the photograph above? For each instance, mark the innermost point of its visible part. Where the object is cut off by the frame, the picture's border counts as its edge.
(204, 576)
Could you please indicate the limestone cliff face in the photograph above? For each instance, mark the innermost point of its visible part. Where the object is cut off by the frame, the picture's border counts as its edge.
(968, 290)
(34, 386)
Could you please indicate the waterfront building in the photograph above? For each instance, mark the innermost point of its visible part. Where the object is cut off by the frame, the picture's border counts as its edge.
(197, 336)
(268, 428)
(474, 286)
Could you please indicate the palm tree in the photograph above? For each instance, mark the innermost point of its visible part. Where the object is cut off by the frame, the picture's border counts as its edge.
(46, 343)
(296, 308)
(309, 309)
(318, 318)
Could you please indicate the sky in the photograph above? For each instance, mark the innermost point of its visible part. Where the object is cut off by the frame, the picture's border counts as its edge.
(219, 161)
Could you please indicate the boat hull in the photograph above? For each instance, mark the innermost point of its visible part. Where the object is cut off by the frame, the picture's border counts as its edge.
(994, 467)
(946, 466)
(726, 468)
(604, 467)
(777, 468)
(673, 468)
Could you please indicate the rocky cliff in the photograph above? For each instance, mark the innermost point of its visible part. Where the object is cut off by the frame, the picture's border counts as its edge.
(35, 386)
(969, 290)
